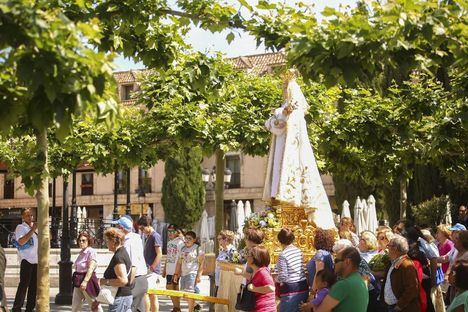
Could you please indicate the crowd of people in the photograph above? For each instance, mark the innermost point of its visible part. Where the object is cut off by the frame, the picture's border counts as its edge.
(403, 268)
(135, 266)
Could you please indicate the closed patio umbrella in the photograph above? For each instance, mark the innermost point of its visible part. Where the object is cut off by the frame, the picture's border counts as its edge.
(372, 222)
(247, 209)
(345, 212)
(240, 218)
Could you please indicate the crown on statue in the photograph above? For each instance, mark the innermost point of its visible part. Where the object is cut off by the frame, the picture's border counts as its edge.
(290, 74)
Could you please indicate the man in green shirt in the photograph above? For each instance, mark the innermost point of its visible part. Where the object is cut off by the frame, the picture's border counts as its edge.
(350, 293)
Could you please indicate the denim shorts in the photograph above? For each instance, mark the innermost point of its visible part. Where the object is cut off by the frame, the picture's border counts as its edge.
(187, 283)
(121, 304)
(170, 282)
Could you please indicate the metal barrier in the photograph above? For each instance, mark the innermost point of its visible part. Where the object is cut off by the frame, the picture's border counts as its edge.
(95, 227)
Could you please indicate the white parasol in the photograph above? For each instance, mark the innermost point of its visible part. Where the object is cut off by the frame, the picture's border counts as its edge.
(204, 232)
(365, 214)
(359, 222)
(345, 213)
(79, 213)
(240, 218)
(372, 222)
(247, 209)
(357, 204)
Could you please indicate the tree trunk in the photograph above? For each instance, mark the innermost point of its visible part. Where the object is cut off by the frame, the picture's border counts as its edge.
(219, 194)
(115, 212)
(42, 197)
(128, 210)
(403, 197)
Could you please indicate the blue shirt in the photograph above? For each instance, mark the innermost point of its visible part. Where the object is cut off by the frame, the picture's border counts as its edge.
(224, 255)
(153, 240)
(321, 255)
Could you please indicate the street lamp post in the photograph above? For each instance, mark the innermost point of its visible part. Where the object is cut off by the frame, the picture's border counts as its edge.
(65, 265)
(206, 174)
(227, 177)
(55, 217)
(74, 217)
(209, 177)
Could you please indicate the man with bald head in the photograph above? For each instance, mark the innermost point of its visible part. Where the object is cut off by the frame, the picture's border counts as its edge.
(26, 238)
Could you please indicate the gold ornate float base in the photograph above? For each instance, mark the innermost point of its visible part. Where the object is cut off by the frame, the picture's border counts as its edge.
(293, 218)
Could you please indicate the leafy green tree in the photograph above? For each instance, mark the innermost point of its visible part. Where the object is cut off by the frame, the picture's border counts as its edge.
(58, 77)
(48, 75)
(377, 46)
(124, 145)
(373, 44)
(204, 101)
(380, 139)
(201, 101)
(148, 31)
(183, 191)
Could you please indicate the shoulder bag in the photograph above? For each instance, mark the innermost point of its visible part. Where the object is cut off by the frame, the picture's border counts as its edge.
(245, 299)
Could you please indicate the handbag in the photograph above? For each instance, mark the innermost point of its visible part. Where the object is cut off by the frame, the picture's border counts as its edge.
(107, 295)
(92, 287)
(77, 279)
(245, 299)
(27, 245)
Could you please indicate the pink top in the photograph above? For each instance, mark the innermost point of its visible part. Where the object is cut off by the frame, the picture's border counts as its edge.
(84, 258)
(264, 302)
(443, 250)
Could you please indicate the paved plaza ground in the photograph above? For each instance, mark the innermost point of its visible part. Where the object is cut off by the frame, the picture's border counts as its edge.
(165, 304)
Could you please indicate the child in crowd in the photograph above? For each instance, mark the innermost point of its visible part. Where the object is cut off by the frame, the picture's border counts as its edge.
(190, 267)
(324, 280)
(174, 247)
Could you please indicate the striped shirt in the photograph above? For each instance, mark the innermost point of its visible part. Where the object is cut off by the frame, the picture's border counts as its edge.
(290, 265)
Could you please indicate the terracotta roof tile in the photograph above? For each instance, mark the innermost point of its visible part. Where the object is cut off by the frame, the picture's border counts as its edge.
(258, 64)
(123, 77)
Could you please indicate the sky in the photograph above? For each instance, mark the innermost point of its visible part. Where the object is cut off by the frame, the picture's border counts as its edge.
(243, 44)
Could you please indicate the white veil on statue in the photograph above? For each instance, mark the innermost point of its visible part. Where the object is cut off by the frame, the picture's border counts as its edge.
(292, 174)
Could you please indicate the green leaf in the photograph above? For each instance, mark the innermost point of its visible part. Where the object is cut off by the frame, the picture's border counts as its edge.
(245, 4)
(328, 11)
(140, 29)
(230, 37)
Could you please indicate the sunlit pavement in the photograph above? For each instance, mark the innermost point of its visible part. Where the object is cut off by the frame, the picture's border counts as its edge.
(165, 303)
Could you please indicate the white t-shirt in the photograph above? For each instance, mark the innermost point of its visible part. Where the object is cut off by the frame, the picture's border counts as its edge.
(173, 254)
(134, 246)
(189, 256)
(29, 254)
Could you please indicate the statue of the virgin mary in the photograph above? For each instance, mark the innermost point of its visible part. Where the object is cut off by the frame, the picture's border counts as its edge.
(292, 175)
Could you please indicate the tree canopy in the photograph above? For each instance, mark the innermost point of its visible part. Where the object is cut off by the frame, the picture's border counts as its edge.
(373, 44)
(204, 101)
